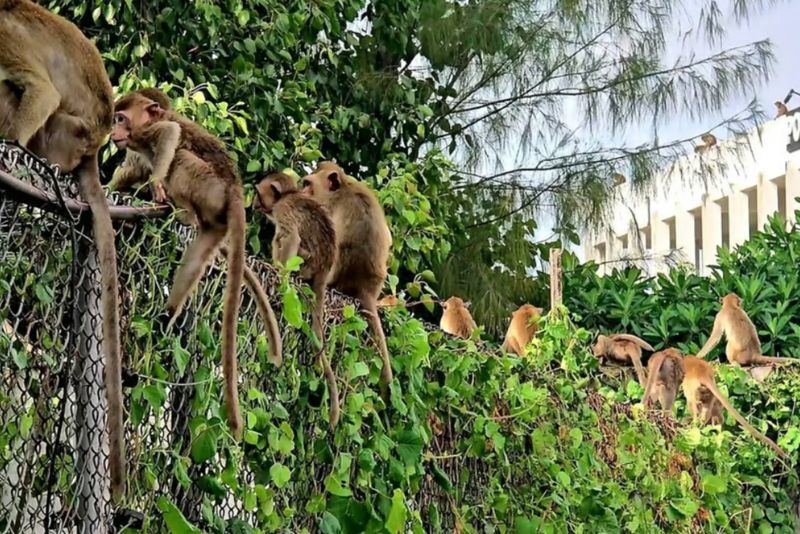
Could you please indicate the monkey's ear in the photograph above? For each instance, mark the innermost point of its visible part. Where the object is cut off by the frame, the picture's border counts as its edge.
(154, 109)
(276, 189)
(335, 181)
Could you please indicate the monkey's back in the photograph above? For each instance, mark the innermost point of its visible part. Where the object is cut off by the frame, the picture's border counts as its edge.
(458, 322)
(314, 224)
(745, 336)
(71, 59)
(671, 371)
(363, 239)
(207, 147)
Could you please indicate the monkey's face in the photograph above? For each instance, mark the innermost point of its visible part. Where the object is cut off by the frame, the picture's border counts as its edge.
(64, 141)
(323, 183)
(134, 114)
(267, 194)
(600, 347)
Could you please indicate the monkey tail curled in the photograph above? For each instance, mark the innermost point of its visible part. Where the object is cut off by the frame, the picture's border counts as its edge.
(230, 311)
(104, 236)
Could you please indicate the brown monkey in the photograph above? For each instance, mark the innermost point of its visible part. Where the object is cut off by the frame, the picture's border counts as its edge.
(782, 109)
(136, 169)
(363, 242)
(705, 401)
(623, 348)
(389, 301)
(303, 228)
(522, 328)
(56, 100)
(456, 319)
(665, 376)
(708, 141)
(743, 347)
(192, 168)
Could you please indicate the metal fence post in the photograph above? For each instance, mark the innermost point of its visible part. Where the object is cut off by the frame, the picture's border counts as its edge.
(92, 491)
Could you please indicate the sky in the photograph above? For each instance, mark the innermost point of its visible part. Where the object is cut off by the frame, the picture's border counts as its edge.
(780, 24)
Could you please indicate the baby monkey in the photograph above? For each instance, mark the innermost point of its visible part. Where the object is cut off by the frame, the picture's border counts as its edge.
(523, 326)
(456, 319)
(303, 228)
(192, 168)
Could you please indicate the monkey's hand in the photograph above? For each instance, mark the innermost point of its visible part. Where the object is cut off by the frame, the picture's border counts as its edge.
(159, 191)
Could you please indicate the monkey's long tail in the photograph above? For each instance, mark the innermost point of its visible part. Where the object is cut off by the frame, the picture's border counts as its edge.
(319, 330)
(92, 193)
(374, 321)
(653, 376)
(640, 374)
(230, 311)
(264, 310)
(741, 420)
(774, 359)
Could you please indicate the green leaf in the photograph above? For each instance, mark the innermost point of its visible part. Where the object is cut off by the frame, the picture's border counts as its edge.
(211, 485)
(329, 524)
(280, 474)
(155, 395)
(204, 446)
(713, 484)
(174, 519)
(292, 308)
(409, 446)
(336, 486)
(396, 521)
(253, 166)
(181, 357)
(293, 264)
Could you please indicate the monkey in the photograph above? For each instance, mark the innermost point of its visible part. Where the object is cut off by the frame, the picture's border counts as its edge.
(708, 141)
(363, 243)
(303, 228)
(623, 348)
(389, 301)
(665, 376)
(782, 109)
(705, 401)
(744, 348)
(522, 328)
(135, 170)
(619, 179)
(192, 168)
(456, 319)
(57, 101)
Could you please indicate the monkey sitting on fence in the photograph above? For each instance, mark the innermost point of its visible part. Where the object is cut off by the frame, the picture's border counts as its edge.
(192, 168)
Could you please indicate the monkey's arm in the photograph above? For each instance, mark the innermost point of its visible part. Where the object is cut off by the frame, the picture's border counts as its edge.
(716, 335)
(164, 138)
(131, 172)
(288, 245)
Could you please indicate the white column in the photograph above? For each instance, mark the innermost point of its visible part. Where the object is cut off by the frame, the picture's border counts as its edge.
(684, 233)
(712, 232)
(660, 235)
(792, 187)
(738, 211)
(767, 194)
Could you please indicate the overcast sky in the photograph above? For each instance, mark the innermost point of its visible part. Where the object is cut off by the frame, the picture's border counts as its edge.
(781, 25)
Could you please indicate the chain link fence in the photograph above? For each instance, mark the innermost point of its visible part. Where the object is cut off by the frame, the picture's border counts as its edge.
(53, 441)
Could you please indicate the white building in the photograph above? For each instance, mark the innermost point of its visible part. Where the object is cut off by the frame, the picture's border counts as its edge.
(746, 180)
